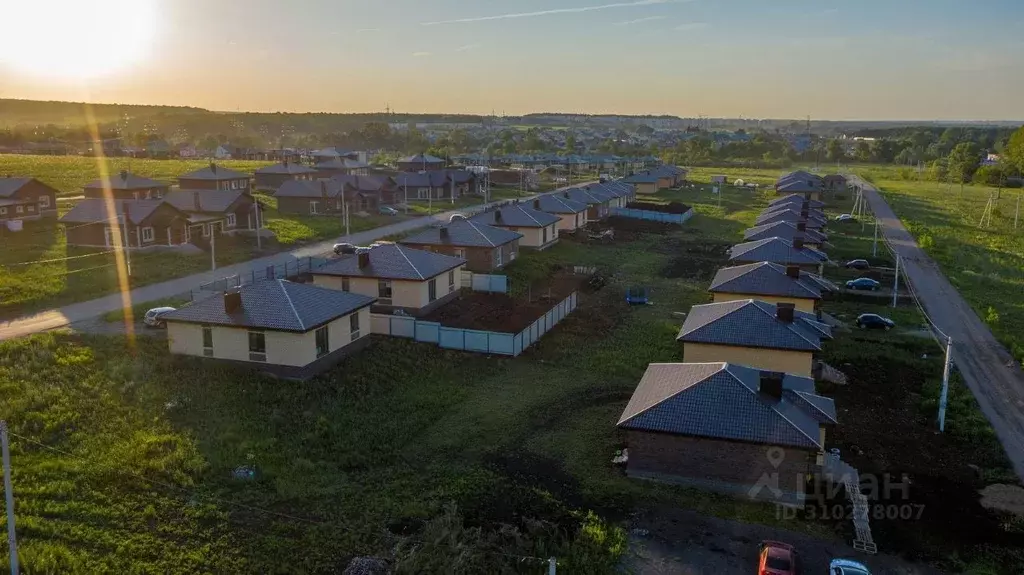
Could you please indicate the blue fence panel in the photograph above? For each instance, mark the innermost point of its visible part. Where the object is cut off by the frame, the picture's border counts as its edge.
(403, 326)
(477, 340)
(451, 338)
(427, 331)
(653, 216)
(503, 343)
(490, 283)
(517, 344)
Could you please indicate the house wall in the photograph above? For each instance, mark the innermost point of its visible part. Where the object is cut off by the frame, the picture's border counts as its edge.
(271, 182)
(646, 188)
(134, 194)
(795, 362)
(802, 304)
(569, 222)
(32, 193)
(479, 259)
(534, 237)
(726, 466)
(232, 184)
(300, 206)
(164, 220)
(411, 296)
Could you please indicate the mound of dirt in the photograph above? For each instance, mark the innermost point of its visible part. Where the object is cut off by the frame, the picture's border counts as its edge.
(670, 208)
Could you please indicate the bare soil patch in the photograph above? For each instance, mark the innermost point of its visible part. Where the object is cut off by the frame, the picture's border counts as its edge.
(622, 230)
(669, 208)
(697, 259)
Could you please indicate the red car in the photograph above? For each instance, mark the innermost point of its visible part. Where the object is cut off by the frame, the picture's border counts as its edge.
(776, 558)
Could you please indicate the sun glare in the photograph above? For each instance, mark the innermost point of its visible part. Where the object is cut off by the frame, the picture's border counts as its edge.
(76, 39)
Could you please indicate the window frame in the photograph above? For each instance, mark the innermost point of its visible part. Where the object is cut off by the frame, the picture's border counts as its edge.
(325, 333)
(44, 202)
(346, 284)
(353, 326)
(148, 234)
(451, 281)
(207, 335)
(432, 290)
(314, 207)
(257, 345)
(230, 220)
(31, 208)
(19, 209)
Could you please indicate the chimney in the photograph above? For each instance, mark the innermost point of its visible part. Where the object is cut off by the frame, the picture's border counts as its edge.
(197, 202)
(213, 167)
(363, 259)
(232, 301)
(804, 214)
(801, 226)
(536, 204)
(785, 312)
(793, 272)
(124, 175)
(497, 215)
(798, 243)
(807, 197)
(444, 232)
(770, 384)
(566, 194)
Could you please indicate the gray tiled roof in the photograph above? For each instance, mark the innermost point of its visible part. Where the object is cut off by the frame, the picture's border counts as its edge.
(558, 204)
(766, 278)
(464, 233)
(584, 196)
(209, 200)
(286, 168)
(794, 212)
(752, 323)
(393, 261)
(420, 158)
(788, 216)
(776, 250)
(94, 210)
(10, 185)
(797, 199)
(723, 401)
(275, 305)
(642, 178)
(341, 164)
(126, 181)
(365, 183)
(798, 186)
(430, 179)
(516, 216)
(213, 172)
(309, 189)
(784, 230)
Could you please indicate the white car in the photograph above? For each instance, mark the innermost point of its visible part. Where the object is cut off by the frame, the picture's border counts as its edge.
(152, 317)
(847, 567)
(844, 218)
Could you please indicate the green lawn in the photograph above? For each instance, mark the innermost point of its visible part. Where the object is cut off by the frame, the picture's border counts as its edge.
(69, 173)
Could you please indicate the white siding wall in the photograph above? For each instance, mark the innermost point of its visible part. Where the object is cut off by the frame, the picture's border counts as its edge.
(410, 294)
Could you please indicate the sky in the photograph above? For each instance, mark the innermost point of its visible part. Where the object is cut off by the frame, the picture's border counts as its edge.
(827, 59)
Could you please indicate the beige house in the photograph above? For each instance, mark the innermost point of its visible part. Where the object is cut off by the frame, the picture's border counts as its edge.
(286, 329)
(398, 277)
(572, 215)
(753, 333)
(539, 229)
(771, 283)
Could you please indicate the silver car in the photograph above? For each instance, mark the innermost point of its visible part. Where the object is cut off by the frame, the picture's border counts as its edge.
(847, 567)
(152, 317)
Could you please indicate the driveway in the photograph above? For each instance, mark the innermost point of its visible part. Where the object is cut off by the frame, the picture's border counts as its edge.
(991, 373)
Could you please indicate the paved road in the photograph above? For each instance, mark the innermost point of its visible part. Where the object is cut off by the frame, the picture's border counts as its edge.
(990, 371)
(77, 312)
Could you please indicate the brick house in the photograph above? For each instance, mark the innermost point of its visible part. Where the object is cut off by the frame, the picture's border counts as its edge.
(287, 329)
(26, 199)
(727, 428)
(572, 215)
(753, 333)
(539, 229)
(127, 186)
(402, 278)
(146, 223)
(423, 186)
(485, 248)
(214, 177)
(312, 198)
(365, 193)
(787, 231)
(779, 251)
(770, 283)
(214, 211)
(420, 162)
(270, 178)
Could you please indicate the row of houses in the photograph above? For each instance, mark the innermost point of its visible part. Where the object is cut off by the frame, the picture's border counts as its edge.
(297, 330)
(741, 414)
(582, 163)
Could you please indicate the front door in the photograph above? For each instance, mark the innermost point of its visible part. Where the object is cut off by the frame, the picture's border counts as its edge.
(111, 237)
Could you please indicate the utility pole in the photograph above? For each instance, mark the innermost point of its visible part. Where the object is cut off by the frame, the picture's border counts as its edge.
(259, 241)
(345, 215)
(213, 247)
(896, 281)
(12, 539)
(123, 220)
(945, 384)
(1016, 213)
(874, 243)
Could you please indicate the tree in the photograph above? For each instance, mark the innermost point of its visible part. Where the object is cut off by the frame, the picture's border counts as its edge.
(570, 143)
(862, 151)
(1014, 150)
(994, 175)
(906, 156)
(883, 150)
(834, 151)
(963, 162)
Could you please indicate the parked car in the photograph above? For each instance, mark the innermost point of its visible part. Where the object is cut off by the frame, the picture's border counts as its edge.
(344, 249)
(456, 218)
(874, 321)
(387, 211)
(863, 284)
(379, 243)
(847, 567)
(845, 218)
(152, 317)
(858, 265)
(776, 558)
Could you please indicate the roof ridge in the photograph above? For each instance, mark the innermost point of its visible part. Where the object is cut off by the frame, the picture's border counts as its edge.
(803, 395)
(722, 367)
(482, 234)
(412, 265)
(793, 425)
(535, 220)
(288, 298)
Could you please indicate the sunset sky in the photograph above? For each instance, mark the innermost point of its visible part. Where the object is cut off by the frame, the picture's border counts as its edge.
(830, 59)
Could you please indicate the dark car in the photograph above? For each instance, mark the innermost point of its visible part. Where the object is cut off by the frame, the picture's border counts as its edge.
(776, 558)
(863, 284)
(874, 321)
(344, 249)
(858, 265)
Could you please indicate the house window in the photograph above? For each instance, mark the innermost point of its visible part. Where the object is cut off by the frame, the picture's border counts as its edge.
(497, 257)
(432, 290)
(323, 346)
(257, 346)
(423, 193)
(31, 208)
(345, 284)
(314, 207)
(384, 291)
(460, 253)
(544, 233)
(44, 202)
(451, 281)
(3, 211)
(157, 193)
(207, 341)
(231, 220)
(19, 209)
(147, 234)
(207, 229)
(353, 324)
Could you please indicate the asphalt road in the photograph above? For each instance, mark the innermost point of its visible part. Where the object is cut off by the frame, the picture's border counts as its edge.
(991, 373)
(78, 312)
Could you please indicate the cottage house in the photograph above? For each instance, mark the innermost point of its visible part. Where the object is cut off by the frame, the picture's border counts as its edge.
(787, 231)
(804, 210)
(485, 248)
(270, 178)
(133, 223)
(127, 186)
(834, 183)
(340, 166)
(620, 193)
(772, 283)
(801, 183)
(313, 198)
(725, 428)
(291, 330)
(646, 183)
(402, 278)
(806, 218)
(572, 215)
(26, 199)
(779, 251)
(214, 177)
(598, 204)
(424, 186)
(367, 193)
(800, 201)
(539, 229)
(215, 211)
(420, 162)
(753, 333)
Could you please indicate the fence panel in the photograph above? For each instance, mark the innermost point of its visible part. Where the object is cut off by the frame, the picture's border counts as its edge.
(451, 338)
(427, 331)
(503, 343)
(476, 340)
(467, 279)
(380, 323)
(403, 326)
(490, 283)
(652, 215)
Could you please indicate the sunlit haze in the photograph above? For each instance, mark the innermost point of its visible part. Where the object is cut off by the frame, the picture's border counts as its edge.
(829, 59)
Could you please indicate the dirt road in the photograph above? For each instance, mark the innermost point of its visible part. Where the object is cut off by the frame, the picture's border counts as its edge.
(991, 373)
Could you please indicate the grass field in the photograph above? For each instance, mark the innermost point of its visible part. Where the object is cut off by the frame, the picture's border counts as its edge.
(448, 462)
(69, 173)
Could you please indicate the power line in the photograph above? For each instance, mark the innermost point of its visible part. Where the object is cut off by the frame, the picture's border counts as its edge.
(57, 259)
